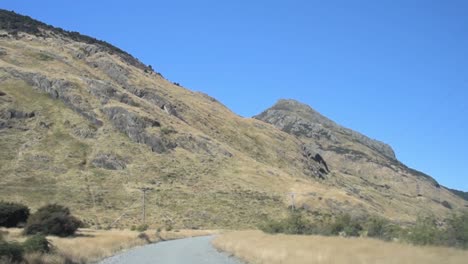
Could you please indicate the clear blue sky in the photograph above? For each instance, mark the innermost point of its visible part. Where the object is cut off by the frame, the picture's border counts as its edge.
(394, 70)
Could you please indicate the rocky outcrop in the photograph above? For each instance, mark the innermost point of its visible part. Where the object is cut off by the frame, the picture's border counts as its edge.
(8, 117)
(16, 114)
(202, 145)
(64, 90)
(134, 126)
(109, 162)
(105, 91)
(301, 120)
(119, 75)
(314, 164)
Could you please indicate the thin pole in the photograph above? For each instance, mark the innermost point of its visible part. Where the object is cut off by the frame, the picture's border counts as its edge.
(293, 205)
(144, 207)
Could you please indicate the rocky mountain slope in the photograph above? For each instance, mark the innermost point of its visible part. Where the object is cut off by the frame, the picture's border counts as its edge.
(83, 123)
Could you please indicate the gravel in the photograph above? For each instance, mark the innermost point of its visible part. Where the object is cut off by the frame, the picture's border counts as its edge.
(197, 250)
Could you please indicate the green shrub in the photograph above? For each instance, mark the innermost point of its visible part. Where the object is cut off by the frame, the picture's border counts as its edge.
(424, 232)
(168, 130)
(142, 228)
(344, 224)
(13, 214)
(37, 243)
(295, 223)
(456, 233)
(381, 228)
(11, 252)
(52, 220)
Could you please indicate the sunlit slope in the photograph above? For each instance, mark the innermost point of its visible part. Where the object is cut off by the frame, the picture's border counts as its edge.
(84, 124)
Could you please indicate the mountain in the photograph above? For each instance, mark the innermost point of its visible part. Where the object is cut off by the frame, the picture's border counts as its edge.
(85, 124)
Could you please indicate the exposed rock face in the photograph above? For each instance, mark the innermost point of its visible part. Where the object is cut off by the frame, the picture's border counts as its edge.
(301, 120)
(315, 165)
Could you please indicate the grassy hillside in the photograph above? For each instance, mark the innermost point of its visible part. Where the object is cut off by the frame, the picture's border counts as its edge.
(86, 125)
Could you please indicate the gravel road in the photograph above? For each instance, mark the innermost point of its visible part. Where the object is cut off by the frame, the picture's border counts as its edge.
(196, 250)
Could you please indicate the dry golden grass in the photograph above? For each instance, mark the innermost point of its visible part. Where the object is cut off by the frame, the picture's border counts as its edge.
(90, 246)
(258, 247)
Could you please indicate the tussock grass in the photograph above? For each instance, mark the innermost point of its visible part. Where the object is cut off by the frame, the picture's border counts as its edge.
(258, 247)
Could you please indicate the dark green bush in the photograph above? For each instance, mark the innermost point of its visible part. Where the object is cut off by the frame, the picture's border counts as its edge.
(11, 252)
(13, 214)
(52, 220)
(37, 243)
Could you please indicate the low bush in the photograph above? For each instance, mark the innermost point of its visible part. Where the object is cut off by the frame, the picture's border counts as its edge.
(142, 228)
(295, 223)
(13, 214)
(145, 237)
(346, 225)
(37, 243)
(52, 220)
(424, 232)
(456, 233)
(381, 228)
(11, 252)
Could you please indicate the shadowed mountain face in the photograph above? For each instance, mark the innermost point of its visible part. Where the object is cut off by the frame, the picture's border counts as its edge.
(86, 125)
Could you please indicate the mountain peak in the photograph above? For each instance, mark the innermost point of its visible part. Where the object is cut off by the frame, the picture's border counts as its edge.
(302, 120)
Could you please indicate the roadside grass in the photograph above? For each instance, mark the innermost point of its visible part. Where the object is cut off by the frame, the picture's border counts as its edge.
(258, 247)
(89, 246)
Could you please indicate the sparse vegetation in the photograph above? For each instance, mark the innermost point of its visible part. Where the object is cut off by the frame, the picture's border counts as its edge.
(297, 224)
(52, 219)
(426, 230)
(13, 214)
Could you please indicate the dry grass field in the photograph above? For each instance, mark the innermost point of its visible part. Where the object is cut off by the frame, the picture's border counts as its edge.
(90, 246)
(258, 247)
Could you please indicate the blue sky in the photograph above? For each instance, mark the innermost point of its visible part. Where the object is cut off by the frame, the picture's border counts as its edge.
(394, 70)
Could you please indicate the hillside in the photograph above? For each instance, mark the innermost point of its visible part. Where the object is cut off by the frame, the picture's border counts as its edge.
(83, 123)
